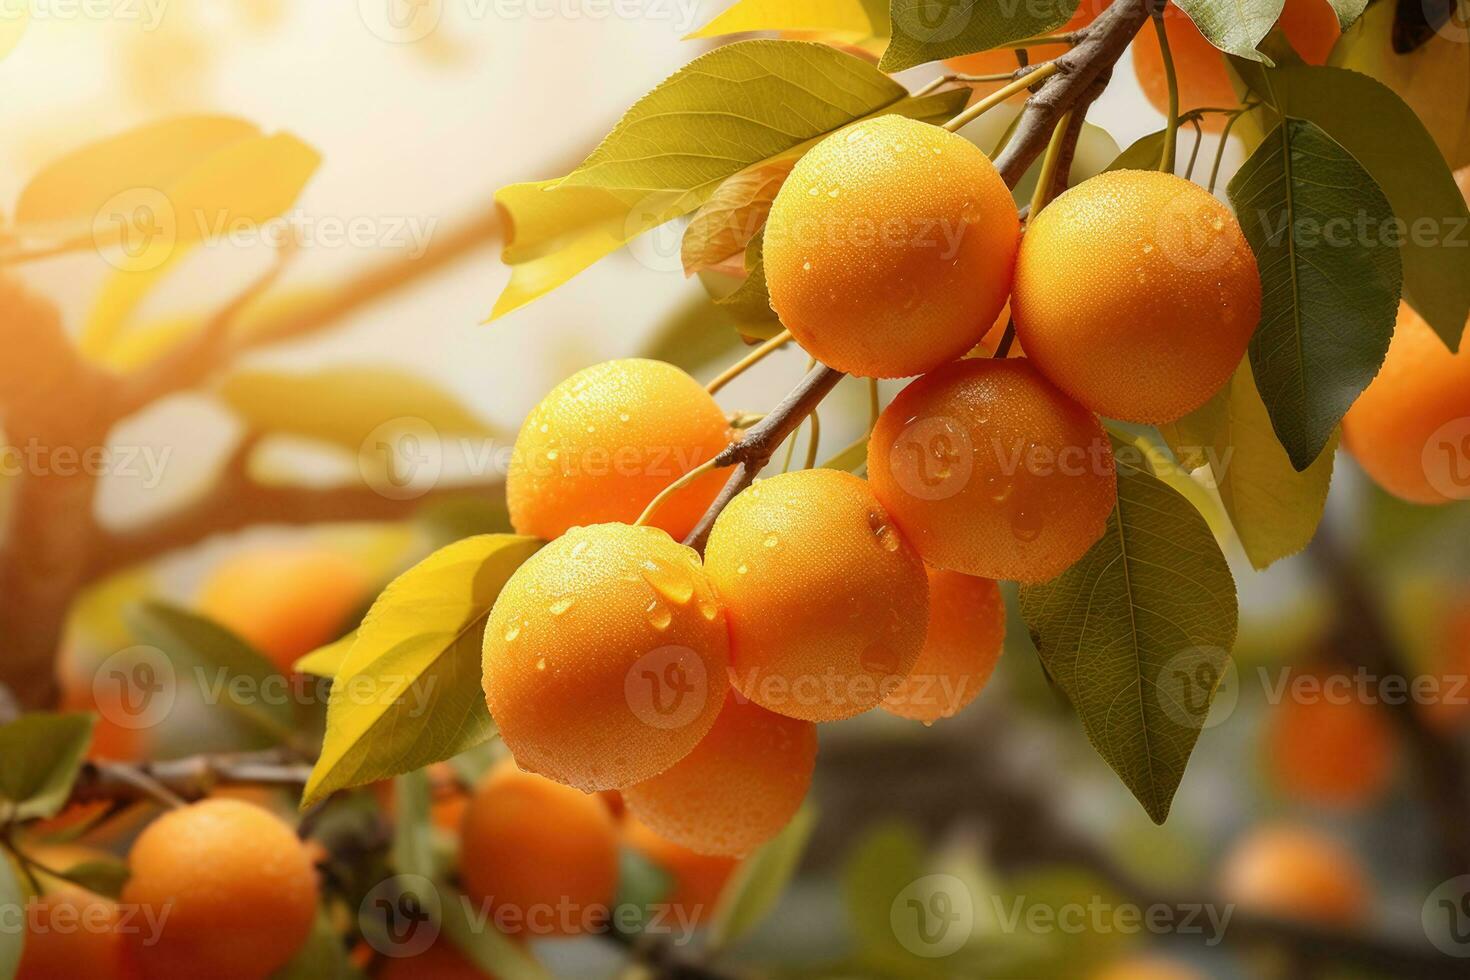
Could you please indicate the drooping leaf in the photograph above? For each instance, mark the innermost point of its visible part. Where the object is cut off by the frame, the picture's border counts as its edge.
(929, 30)
(483, 944)
(641, 885)
(408, 693)
(733, 216)
(759, 881)
(1274, 509)
(105, 876)
(40, 756)
(1388, 140)
(326, 661)
(343, 406)
(1152, 599)
(1329, 295)
(739, 105)
(225, 667)
(885, 862)
(750, 303)
(1234, 26)
(856, 19)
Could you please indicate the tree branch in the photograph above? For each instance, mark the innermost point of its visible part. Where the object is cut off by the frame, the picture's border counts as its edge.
(190, 778)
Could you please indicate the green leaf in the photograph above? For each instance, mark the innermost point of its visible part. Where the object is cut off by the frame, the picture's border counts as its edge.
(641, 884)
(1234, 26)
(929, 30)
(322, 958)
(484, 945)
(326, 661)
(885, 862)
(855, 18)
(413, 845)
(1274, 509)
(1387, 140)
(227, 669)
(12, 934)
(1329, 295)
(1144, 153)
(759, 881)
(40, 756)
(737, 106)
(105, 876)
(1348, 11)
(750, 304)
(344, 406)
(408, 694)
(1152, 600)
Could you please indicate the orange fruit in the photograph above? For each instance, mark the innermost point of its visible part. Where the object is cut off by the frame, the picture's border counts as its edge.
(605, 441)
(695, 880)
(285, 601)
(1136, 294)
(826, 602)
(238, 890)
(1204, 81)
(1296, 873)
(605, 657)
(991, 471)
(967, 626)
(1410, 429)
(1329, 746)
(1000, 60)
(889, 249)
(542, 855)
(1449, 705)
(737, 789)
(71, 932)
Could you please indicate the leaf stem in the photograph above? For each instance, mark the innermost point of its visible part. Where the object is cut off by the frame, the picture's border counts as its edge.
(1171, 130)
(1199, 137)
(814, 439)
(673, 488)
(1038, 74)
(748, 361)
(1220, 150)
(1049, 163)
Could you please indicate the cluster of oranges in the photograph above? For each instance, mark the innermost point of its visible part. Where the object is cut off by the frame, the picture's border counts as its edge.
(617, 658)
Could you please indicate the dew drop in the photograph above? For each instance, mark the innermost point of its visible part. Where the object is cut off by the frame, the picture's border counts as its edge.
(659, 615)
(833, 192)
(1217, 223)
(813, 192)
(545, 427)
(541, 664)
(579, 549)
(806, 267)
(708, 609)
(561, 605)
(742, 570)
(1026, 525)
(771, 541)
(624, 417)
(551, 454)
(512, 633)
(1147, 247)
(674, 584)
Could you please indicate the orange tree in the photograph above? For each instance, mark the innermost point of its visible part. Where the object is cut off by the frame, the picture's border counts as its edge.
(831, 207)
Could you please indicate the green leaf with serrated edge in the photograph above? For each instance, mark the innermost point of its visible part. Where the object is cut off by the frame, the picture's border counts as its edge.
(1144, 153)
(1388, 140)
(759, 881)
(1273, 508)
(470, 926)
(734, 107)
(413, 847)
(326, 661)
(929, 30)
(1329, 297)
(12, 935)
(1348, 11)
(40, 756)
(1152, 602)
(1234, 26)
(409, 692)
(105, 876)
(225, 668)
(839, 17)
(344, 406)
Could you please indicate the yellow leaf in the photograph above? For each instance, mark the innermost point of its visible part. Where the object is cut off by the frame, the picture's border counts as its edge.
(408, 692)
(837, 17)
(326, 661)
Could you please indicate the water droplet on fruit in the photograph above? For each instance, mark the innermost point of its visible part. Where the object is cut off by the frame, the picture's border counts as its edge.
(1217, 223)
(771, 541)
(832, 193)
(1147, 247)
(708, 609)
(511, 633)
(551, 454)
(742, 570)
(545, 427)
(579, 549)
(659, 615)
(541, 664)
(561, 605)
(1026, 525)
(674, 584)
(806, 267)
(624, 417)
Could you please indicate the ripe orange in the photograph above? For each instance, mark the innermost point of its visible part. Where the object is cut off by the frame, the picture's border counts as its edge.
(991, 471)
(71, 932)
(605, 441)
(696, 880)
(1296, 873)
(889, 249)
(1204, 81)
(1449, 667)
(238, 890)
(286, 601)
(605, 657)
(543, 855)
(737, 789)
(1329, 746)
(826, 602)
(1137, 294)
(967, 626)
(1410, 430)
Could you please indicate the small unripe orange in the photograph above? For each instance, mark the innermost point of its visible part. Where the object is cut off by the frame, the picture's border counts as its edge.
(71, 932)
(967, 626)
(1296, 873)
(991, 471)
(605, 441)
(234, 890)
(1329, 746)
(889, 249)
(605, 657)
(1136, 293)
(827, 603)
(542, 855)
(737, 789)
(696, 880)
